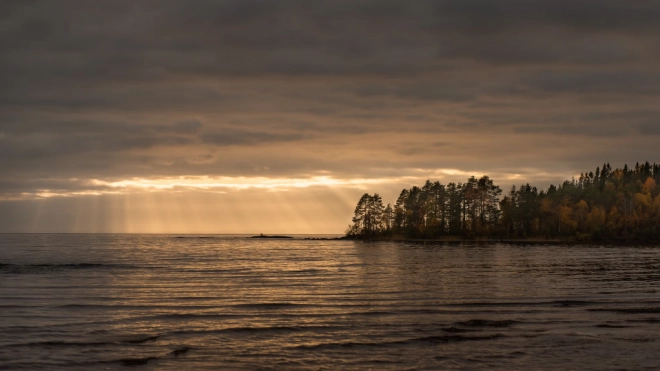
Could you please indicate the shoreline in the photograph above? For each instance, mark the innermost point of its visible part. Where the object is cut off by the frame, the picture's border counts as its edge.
(511, 241)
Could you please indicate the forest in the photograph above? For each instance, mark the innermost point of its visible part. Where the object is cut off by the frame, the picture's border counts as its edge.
(605, 205)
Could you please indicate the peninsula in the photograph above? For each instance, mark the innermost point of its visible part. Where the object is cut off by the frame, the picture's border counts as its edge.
(613, 205)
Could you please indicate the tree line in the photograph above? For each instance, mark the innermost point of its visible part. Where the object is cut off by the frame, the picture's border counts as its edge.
(608, 204)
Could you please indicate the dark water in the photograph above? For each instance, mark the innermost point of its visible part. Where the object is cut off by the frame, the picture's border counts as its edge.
(160, 302)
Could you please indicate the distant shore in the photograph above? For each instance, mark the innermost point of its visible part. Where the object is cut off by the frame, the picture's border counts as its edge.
(531, 241)
(270, 236)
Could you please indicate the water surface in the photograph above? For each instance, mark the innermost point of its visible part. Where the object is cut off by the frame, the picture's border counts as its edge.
(75, 302)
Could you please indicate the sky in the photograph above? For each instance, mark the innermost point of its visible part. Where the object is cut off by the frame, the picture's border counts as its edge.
(246, 116)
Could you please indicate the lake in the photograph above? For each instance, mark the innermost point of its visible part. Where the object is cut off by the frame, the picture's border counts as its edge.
(158, 302)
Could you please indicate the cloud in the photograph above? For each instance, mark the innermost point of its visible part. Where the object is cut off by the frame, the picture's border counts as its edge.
(187, 127)
(237, 137)
(650, 128)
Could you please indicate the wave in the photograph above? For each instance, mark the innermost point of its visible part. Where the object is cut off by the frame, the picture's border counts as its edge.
(486, 323)
(651, 310)
(273, 308)
(179, 351)
(52, 344)
(188, 316)
(646, 320)
(348, 344)
(269, 305)
(575, 303)
(136, 361)
(70, 265)
(454, 329)
(48, 268)
(253, 330)
(454, 338)
(142, 340)
(145, 360)
(561, 303)
(437, 339)
(129, 306)
(265, 329)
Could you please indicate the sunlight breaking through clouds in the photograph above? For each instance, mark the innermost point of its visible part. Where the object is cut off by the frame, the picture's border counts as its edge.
(238, 183)
(206, 183)
(226, 184)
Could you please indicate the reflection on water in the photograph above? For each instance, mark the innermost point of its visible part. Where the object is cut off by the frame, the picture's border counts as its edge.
(160, 302)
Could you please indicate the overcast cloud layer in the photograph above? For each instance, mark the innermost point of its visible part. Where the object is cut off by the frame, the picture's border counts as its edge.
(96, 92)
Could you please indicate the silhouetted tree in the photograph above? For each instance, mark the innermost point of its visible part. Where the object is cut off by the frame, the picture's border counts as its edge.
(605, 204)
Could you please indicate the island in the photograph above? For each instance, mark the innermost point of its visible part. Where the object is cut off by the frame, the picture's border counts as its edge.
(269, 236)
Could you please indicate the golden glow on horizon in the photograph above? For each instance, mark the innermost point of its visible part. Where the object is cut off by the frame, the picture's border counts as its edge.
(209, 184)
(206, 182)
(226, 184)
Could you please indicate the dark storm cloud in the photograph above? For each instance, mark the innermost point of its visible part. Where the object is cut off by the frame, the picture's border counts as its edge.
(150, 40)
(650, 128)
(187, 127)
(233, 137)
(594, 81)
(28, 139)
(94, 89)
(39, 146)
(34, 124)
